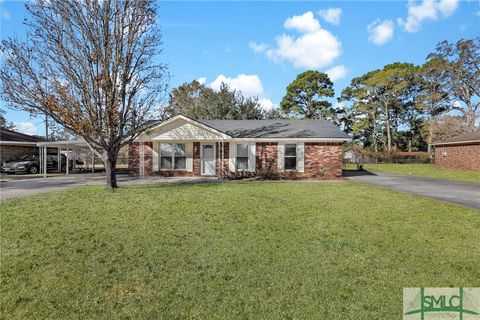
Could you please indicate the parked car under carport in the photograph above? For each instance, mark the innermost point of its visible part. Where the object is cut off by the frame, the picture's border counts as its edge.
(30, 163)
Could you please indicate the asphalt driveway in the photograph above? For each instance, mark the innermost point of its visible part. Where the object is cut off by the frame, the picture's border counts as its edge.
(27, 187)
(463, 193)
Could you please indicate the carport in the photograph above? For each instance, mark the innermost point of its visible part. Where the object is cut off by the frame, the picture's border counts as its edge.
(68, 146)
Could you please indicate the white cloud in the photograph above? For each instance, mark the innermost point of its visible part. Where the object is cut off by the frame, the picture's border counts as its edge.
(202, 80)
(267, 104)
(447, 7)
(337, 72)
(304, 23)
(314, 48)
(249, 84)
(26, 127)
(257, 47)
(426, 10)
(380, 32)
(331, 15)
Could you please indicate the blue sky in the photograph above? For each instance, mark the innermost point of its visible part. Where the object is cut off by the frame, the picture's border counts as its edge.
(259, 47)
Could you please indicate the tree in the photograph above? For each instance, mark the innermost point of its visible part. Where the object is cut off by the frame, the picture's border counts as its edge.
(4, 124)
(362, 117)
(391, 88)
(433, 98)
(92, 66)
(304, 96)
(197, 101)
(448, 126)
(383, 102)
(463, 69)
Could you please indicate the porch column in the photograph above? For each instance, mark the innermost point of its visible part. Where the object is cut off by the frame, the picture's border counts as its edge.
(66, 170)
(59, 159)
(40, 161)
(142, 160)
(93, 162)
(44, 162)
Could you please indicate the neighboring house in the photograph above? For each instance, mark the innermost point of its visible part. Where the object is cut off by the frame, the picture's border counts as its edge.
(15, 144)
(273, 148)
(459, 152)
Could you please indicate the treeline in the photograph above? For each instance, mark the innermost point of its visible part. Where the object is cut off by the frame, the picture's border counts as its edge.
(404, 106)
(399, 107)
(197, 101)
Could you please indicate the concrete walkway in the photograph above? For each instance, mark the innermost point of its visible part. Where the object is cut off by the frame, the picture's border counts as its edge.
(463, 193)
(28, 187)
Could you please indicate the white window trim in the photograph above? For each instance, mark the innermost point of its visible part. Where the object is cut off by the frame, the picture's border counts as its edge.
(285, 156)
(172, 156)
(248, 158)
(251, 164)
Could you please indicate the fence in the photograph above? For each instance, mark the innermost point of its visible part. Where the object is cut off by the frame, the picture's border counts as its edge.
(377, 158)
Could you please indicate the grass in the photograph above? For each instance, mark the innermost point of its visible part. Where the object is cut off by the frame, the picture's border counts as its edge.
(422, 170)
(230, 251)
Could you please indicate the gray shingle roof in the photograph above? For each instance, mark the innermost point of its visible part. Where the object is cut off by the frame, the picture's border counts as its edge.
(9, 135)
(277, 128)
(465, 137)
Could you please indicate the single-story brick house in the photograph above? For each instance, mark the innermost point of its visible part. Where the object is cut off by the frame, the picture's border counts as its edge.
(459, 152)
(15, 144)
(182, 146)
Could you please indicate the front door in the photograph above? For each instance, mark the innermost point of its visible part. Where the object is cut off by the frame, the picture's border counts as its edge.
(208, 159)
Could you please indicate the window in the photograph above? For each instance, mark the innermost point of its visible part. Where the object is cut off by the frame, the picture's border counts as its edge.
(290, 157)
(180, 158)
(173, 156)
(242, 157)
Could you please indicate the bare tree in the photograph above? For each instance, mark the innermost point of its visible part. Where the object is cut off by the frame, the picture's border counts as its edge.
(92, 66)
(463, 69)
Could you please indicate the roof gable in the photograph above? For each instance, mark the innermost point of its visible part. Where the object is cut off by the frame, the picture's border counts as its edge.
(182, 128)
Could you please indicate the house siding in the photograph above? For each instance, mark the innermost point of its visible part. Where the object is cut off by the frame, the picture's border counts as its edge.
(459, 156)
(321, 161)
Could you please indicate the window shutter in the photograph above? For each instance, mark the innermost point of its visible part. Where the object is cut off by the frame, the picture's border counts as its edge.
(155, 157)
(189, 159)
(252, 149)
(281, 157)
(232, 154)
(300, 157)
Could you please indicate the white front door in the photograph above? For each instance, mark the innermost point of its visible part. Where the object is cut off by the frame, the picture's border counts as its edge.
(208, 159)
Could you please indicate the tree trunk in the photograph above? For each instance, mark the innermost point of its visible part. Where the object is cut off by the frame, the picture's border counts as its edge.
(111, 170)
(375, 143)
(470, 116)
(430, 136)
(389, 133)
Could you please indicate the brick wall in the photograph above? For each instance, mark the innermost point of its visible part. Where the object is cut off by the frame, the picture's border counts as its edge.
(461, 157)
(322, 161)
(134, 159)
(267, 159)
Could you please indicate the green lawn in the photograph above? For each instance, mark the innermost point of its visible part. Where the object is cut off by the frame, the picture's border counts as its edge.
(422, 170)
(253, 250)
